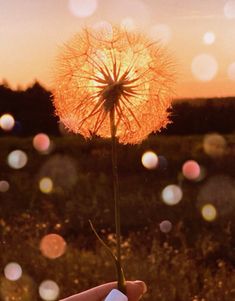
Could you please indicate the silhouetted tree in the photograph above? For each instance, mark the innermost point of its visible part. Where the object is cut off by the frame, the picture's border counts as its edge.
(34, 112)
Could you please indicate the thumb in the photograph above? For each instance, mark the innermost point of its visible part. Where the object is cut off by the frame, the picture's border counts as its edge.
(135, 290)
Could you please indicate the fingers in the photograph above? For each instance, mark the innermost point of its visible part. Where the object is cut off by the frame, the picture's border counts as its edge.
(135, 289)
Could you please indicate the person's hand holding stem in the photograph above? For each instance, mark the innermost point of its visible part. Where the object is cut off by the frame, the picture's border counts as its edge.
(134, 290)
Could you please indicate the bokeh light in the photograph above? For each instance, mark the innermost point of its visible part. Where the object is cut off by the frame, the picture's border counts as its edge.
(17, 159)
(41, 142)
(81, 8)
(219, 191)
(161, 33)
(172, 194)
(209, 212)
(46, 185)
(204, 67)
(128, 23)
(52, 246)
(191, 170)
(214, 145)
(209, 37)
(13, 271)
(149, 160)
(49, 290)
(62, 170)
(4, 186)
(21, 290)
(7, 122)
(165, 226)
(231, 71)
(229, 9)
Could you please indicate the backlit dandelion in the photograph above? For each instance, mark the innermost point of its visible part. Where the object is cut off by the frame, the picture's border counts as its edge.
(111, 82)
(116, 72)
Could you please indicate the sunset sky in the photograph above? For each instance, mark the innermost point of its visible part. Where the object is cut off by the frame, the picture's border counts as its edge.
(199, 34)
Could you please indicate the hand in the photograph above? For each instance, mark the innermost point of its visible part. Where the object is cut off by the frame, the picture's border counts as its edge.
(135, 289)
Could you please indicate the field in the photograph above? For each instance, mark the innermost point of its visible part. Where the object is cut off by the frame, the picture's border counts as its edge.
(194, 261)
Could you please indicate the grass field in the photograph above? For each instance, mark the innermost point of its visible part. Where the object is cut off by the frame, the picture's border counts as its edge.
(194, 261)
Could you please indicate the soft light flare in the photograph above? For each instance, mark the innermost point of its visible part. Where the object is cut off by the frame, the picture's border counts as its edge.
(214, 145)
(46, 185)
(209, 37)
(52, 246)
(149, 160)
(13, 271)
(172, 194)
(7, 122)
(204, 67)
(49, 290)
(41, 142)
(209, 212)
(82, 8)
(191, 170)
(229, 9)
(17, 159)
(165, 226)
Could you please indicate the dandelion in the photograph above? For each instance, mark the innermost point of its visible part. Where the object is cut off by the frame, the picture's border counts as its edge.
(101, 72)
(114, 84)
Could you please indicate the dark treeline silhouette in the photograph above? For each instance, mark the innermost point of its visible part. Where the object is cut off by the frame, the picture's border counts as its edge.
(33, 111)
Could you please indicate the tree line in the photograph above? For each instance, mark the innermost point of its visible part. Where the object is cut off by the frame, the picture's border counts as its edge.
(33, 111)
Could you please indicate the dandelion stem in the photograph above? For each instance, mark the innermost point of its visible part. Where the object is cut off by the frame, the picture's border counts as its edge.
(120, 274)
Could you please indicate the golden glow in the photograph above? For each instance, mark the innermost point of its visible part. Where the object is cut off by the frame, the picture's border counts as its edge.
(23, 58)
(100, 71)
(204, 67)
(22, 289)
(214, 145)
(46, 185)
(209, 212)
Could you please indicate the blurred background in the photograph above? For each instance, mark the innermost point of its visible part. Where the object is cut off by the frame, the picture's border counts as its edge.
(177, 188)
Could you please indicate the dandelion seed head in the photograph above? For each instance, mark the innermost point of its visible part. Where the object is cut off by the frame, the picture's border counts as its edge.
(99, 71)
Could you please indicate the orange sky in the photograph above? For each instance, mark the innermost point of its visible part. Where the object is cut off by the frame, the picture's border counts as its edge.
(32, 30)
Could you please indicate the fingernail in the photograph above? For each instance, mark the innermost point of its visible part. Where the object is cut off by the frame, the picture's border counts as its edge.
(116, 295)
(143, 285)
